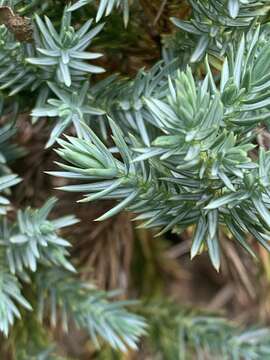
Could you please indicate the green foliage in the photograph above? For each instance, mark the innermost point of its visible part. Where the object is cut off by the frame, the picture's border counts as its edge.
(33, 238)
(71, 107)
(200, 169)
(33, 244)
(184, 154)
(8, 152)
(184, 334)
(15, 74)
(213, 26)
(28, 66)
(89, 309)
(62, 53)
(181, 333)
(10, 296)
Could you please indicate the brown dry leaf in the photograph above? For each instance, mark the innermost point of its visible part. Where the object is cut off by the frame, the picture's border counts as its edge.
(20, 26)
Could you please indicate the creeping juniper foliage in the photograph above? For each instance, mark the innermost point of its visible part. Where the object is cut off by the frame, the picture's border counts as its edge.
(179, 145)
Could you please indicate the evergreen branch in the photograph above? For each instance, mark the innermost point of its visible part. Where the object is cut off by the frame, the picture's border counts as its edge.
(126, 180)
(22, 244)
(184, 334)
(63, 54)
(120, 97)
(185, 156)
(16, 74)
(33, 238)
(10, 298)
(71, 107)
(7, 153)
(200, 170)
(213, 26)
(28, 66)
(89, 308)
(127, 99)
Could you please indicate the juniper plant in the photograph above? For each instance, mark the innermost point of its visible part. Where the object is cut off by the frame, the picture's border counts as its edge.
(175, 145)
(201, 167)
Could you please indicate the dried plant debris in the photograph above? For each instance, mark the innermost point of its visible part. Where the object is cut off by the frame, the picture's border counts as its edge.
(20, 26)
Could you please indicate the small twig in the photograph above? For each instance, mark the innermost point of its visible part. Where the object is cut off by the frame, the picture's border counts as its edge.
(179, 250)
(160, 11)
(222, 298)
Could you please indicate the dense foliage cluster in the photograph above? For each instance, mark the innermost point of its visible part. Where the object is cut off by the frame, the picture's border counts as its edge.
(175, 145)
